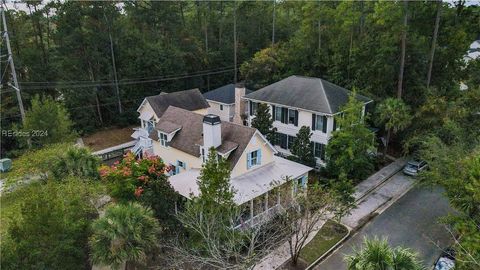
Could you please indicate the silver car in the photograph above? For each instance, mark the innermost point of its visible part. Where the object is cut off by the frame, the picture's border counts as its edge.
(414, 167)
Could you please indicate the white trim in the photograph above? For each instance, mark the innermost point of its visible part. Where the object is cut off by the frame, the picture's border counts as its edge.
(141, 104)
(265, 139)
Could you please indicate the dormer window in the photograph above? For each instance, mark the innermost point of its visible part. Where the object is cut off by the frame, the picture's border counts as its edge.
(163, 139)
(254, 158)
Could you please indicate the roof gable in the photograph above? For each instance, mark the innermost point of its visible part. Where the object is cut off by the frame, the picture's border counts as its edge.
(307, 93)
(189, 100)
(190, 136)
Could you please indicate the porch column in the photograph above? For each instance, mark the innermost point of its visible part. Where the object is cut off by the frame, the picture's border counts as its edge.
(251, 210)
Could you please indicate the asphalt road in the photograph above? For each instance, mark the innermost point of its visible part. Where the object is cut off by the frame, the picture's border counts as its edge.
(412, 222)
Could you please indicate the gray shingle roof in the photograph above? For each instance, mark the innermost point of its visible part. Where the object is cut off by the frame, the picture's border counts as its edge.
(224, 94)
(167, 127)
(189, 100)
(190, 136)
(307, 93)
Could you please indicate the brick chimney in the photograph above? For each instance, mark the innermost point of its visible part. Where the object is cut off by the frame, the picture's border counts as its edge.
(239, 103)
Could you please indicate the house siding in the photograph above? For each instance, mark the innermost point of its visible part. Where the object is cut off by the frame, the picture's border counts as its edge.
(304, 119)
(202, 111)
(147, 108)
(256, 143)
(170, 155)
(226, 114)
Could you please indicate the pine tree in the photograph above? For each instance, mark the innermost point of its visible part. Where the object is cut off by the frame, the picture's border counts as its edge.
(263, 121)
(214, 181)
(302, 147)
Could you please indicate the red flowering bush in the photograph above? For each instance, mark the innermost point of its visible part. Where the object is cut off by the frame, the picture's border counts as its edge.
(130, 177)
(143, 180)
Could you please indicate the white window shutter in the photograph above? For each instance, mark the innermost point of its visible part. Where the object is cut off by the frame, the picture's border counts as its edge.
(259, 157)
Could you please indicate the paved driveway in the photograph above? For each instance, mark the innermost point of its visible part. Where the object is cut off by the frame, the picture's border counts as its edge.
(412, 222)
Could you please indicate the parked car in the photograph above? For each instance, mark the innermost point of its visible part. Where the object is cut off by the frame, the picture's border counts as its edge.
(446, 261)
(414, 167)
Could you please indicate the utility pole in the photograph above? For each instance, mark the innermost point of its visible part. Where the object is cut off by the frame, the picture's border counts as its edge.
(12, 66)
(273, 23)
(235, 40)
(113, 64)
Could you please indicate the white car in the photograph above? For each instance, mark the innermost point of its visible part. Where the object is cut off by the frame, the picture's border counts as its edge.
(446, 260)
(414, 167)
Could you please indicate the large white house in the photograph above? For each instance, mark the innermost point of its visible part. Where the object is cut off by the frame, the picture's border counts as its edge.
(299, 101)
(263, 182)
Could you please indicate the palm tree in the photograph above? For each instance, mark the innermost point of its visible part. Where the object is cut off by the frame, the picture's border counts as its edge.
(395, 115)
(378, 255)
(77, 161)
(123, 235)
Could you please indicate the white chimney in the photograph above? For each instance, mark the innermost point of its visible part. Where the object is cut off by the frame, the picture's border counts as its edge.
(239, 103)
(212, 131)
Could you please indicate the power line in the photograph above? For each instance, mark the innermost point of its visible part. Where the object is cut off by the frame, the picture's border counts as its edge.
(123, 80)
(111, 83)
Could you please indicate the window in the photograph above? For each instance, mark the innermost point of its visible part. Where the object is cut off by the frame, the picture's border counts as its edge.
(253, 108)
(181, 164)
(148, 125)
(278, 114)
(221, 107)
(293, 117)
(284, 141)
(319, 122)
(319, 150)
(163, 139)
(291, 139)
(281, 114)
(254, 158)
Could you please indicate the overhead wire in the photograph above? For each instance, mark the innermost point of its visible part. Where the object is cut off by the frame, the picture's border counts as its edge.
(123, 82)
(131, 79)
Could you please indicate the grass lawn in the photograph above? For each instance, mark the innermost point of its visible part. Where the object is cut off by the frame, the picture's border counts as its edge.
(107, 138)
(328, 236)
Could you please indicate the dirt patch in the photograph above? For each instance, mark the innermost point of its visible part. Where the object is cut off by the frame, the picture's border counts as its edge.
(108, 137)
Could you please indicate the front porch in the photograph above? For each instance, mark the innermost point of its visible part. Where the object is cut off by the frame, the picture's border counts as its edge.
(261, 193)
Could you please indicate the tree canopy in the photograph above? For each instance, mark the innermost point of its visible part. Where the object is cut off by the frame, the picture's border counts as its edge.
(68, 50)
(349, 150)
